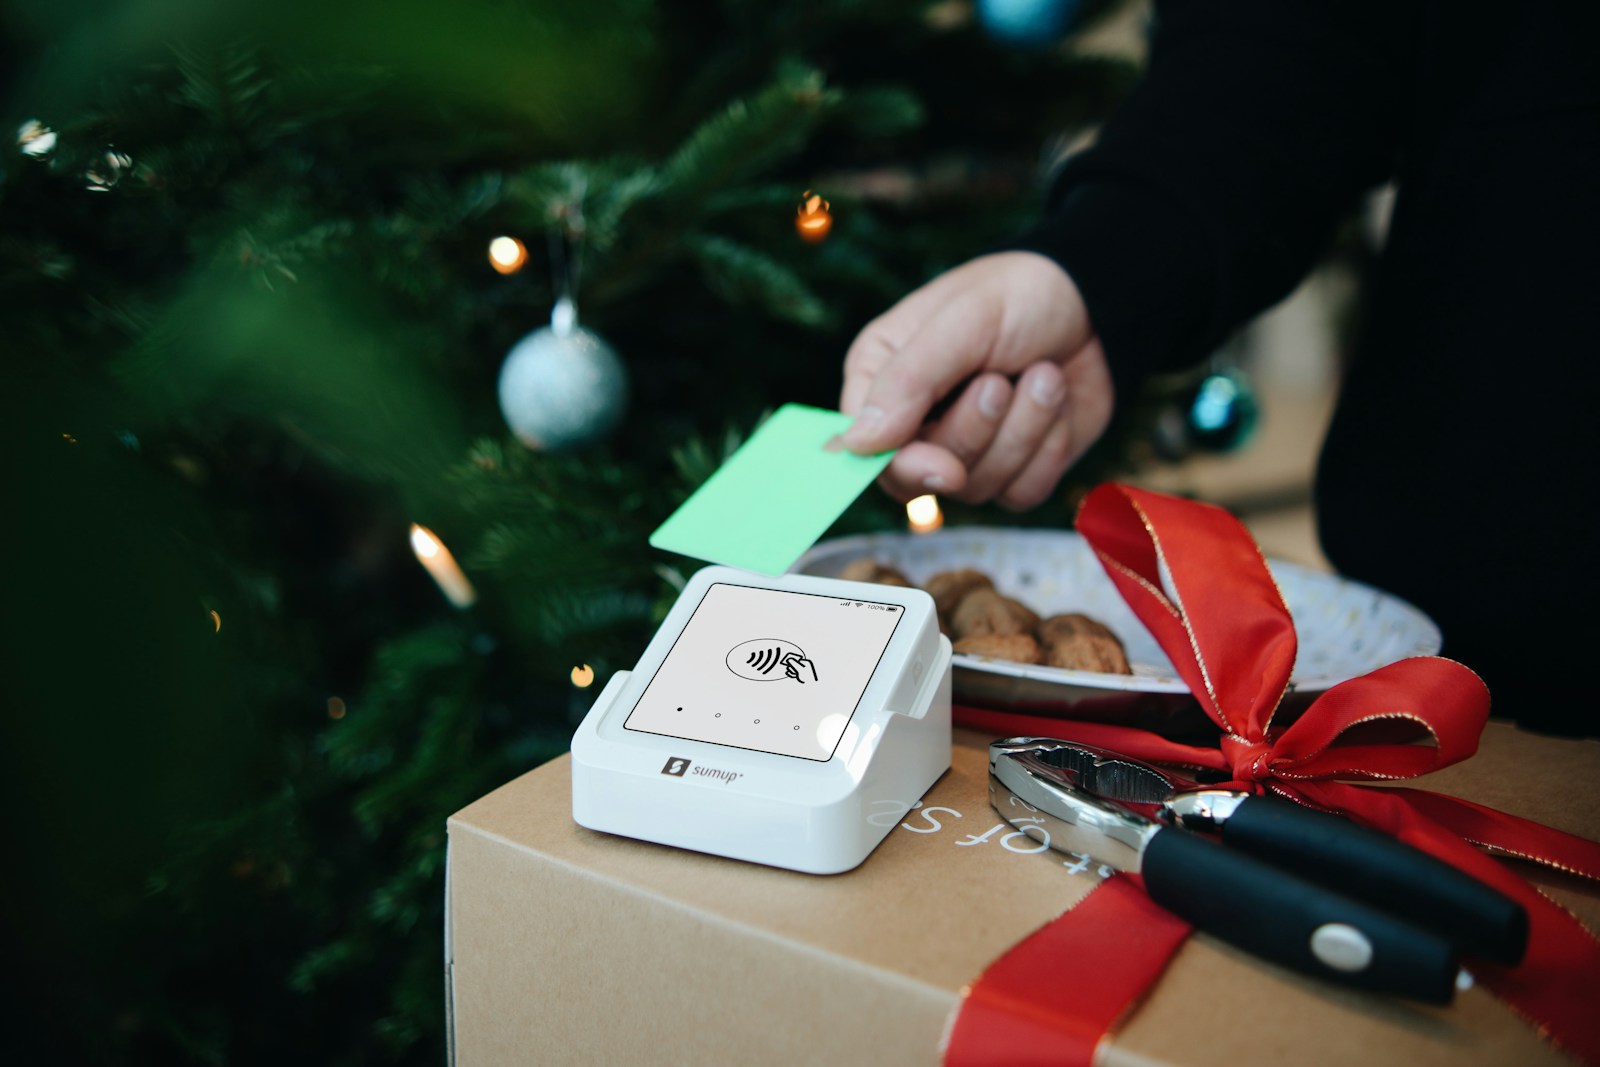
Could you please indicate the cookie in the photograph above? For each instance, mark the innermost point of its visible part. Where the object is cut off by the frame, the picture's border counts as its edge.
(986, 611)
(1071, 623)
(1019, 648)
(1077, 642)
(948, 587)
(867, 569)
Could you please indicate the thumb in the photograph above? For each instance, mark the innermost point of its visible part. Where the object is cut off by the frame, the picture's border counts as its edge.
(946, 348)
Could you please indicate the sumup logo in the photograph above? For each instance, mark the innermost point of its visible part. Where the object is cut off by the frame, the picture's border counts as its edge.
(677, 766)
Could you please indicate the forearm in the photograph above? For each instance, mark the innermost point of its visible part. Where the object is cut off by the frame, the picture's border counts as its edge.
(1217, 184)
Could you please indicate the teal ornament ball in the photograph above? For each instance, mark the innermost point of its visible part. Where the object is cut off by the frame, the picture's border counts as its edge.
(1222, 413)
(563, 387)
(1027, 23)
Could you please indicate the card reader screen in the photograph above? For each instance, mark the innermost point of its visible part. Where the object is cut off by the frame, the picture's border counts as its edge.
(767, 669)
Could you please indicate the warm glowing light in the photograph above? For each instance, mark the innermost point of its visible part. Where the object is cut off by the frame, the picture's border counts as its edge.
(36, 139)
(216, 620)
(104, 173)
(923, 514)
(69, 439)
(423, 543)
(583, 676)
(336, 708)
(439, 563)
(812, 219)
(507, 254)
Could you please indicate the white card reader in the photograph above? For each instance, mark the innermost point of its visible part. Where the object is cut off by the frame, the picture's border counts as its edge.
(790, 721)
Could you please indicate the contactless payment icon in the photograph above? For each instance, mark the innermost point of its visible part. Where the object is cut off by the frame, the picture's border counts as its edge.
(760, 661)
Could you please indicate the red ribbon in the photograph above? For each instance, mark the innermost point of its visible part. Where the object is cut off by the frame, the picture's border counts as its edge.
(1197, 580)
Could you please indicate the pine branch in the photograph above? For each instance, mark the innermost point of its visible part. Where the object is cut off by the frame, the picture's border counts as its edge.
(226, 83)
(750, 135)
(741, 274)
(878, 112)
(588, 198)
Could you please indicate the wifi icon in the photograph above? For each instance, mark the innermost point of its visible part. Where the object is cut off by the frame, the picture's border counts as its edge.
(761, 659)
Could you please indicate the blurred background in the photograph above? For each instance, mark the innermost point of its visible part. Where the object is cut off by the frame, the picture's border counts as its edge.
(323, 520)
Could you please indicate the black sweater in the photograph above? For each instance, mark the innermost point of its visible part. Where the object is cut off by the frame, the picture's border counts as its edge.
(1459, 470)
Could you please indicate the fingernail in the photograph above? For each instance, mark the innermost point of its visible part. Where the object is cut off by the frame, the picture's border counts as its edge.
(866, 426)
(933, 484)
(991, 399)
(1047, 391)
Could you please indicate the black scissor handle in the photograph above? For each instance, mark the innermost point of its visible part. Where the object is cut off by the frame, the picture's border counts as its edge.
(1273, 914)
(1371, 866)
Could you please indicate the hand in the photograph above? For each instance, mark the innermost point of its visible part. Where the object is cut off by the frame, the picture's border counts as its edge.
(1007, 336)
(792, 664)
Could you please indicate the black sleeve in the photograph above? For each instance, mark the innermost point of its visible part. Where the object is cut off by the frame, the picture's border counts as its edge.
(1217, 184)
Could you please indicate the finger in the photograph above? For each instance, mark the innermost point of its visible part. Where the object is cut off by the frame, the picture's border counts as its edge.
(1091, 396)
(1044, 470)
(947, 347)
(872, 348)
(885, 336)
(1036, 405)
(922, 467)
(968, 428)
(1086, 412)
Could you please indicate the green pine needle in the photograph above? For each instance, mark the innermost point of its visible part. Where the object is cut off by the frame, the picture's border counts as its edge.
(226, 83)
(742, 274)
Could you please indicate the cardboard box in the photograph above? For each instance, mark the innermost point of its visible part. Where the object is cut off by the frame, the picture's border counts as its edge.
(568, 946)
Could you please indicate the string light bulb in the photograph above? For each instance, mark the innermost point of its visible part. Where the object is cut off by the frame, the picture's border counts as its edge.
(438, 562)
(36, 139)
(583, 676)
(105, 171)
(507, 255)
(813, 219)
(923, 514)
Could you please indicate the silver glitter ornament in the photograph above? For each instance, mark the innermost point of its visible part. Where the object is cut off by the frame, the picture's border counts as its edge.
(562, 387)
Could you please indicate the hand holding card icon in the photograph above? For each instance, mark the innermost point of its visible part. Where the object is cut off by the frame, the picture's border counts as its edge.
(794, 665)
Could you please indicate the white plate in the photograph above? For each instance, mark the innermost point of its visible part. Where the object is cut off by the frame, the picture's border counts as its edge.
(1345, 628)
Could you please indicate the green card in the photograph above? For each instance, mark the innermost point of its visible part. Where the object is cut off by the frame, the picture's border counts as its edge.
(775, 496)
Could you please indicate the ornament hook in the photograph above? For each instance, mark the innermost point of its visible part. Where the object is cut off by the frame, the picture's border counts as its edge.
(566, 256)
(564, 316)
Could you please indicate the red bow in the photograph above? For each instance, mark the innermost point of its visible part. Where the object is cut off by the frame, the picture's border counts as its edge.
(1197, 580)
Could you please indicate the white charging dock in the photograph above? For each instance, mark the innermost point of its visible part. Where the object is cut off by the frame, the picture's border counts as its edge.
(790, 721)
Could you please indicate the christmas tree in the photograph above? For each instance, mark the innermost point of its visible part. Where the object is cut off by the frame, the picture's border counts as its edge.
(254, 339)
